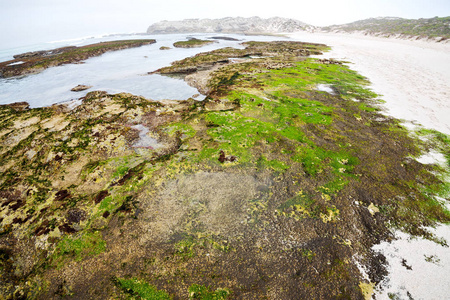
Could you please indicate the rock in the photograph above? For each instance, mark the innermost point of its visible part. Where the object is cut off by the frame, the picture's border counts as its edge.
(81, 87)
(19, 106)
(225, 38)
(192, 43)
(164, 48)
(75, 215)
(43, 53)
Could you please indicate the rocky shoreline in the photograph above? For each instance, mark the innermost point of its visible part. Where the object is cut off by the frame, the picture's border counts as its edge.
(276, 186)
(35, 62)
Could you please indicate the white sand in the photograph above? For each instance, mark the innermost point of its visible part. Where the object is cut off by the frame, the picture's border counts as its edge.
(416, 266)
(413, 78)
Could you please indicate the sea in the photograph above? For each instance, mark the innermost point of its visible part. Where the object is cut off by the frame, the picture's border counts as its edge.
(113, 72)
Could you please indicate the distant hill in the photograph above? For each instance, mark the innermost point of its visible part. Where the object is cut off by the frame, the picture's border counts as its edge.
(230, 25)
(438, 28)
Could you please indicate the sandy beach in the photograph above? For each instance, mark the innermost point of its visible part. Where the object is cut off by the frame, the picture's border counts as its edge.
(413, 77)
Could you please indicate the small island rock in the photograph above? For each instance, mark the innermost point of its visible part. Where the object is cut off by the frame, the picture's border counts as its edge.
(81, 87)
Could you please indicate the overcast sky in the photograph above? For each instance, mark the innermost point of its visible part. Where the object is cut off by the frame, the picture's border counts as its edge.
(44, 20)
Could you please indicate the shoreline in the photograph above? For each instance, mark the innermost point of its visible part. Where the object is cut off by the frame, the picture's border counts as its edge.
(37, 61)
(415, 85)
(411, 76)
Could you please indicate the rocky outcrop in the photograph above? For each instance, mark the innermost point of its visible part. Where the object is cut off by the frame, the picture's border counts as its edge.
(43, 53)
(230, 25)
(35, 62)
(192, 43)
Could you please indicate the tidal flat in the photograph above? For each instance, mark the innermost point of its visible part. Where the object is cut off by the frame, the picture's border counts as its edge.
(276, 186)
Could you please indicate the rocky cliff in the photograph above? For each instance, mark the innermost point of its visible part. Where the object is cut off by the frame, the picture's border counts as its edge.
(230, 25)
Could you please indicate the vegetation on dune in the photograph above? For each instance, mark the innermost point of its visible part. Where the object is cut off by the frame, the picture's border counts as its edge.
(270, 188)
(434, 27)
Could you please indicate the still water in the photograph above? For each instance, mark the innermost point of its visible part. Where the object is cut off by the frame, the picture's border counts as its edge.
(114, 72)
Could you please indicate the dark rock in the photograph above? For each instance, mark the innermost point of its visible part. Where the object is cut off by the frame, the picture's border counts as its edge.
(75, 215)
(223, 158)
(19, 106)
(225, 38)
(100, 196)
(61, 195)
(17, 205)
(43, 229)
(66, 228)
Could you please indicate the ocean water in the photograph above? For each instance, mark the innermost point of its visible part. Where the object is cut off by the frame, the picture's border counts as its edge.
(114, 72)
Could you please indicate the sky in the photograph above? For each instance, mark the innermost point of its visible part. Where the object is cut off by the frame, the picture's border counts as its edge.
(30, 21)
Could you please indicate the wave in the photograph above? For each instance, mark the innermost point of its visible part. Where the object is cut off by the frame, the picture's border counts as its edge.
(92, 37)
(78, 39)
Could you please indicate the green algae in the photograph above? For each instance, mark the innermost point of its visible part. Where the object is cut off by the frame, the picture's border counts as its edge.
(79, 247)
(201, 292)
(183, 129)
(135, 288)
(319, 162)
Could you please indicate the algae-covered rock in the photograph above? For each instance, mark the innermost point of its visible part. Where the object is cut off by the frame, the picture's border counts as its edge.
(192, 43)
(269, 188)
(35, 62)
